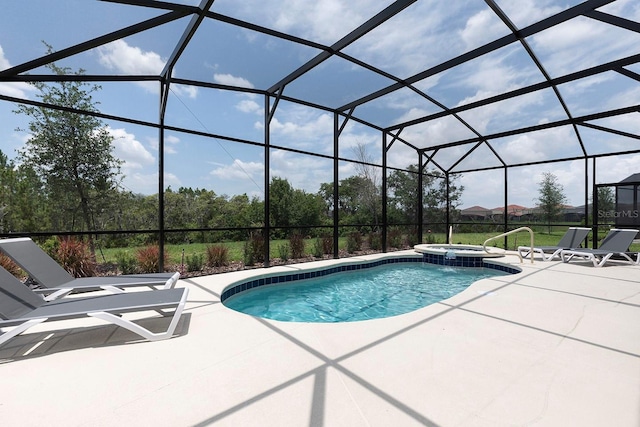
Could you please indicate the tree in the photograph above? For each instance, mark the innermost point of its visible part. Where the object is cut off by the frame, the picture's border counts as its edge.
(292, 207)
(403, 196)
(7, 183)
(70, 152)
(606, 204)
(23, 204)
(370, 189)
(551, 198)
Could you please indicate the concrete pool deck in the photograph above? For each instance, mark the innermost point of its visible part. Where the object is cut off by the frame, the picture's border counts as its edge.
(556, 345)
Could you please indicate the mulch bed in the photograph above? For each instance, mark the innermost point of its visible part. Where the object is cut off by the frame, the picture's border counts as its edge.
(111, 269)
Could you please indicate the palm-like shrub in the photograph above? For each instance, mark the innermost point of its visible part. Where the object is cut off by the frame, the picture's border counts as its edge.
(217, 256)
(10, 266)
(75, 257)
(149, 259)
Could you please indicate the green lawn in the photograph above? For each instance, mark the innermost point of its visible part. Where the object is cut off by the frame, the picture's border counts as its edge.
(236, 249)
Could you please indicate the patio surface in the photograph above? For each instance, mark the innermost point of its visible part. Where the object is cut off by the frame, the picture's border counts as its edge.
(556, 345)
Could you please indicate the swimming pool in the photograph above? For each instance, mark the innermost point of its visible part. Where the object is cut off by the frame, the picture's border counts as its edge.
(363, 294)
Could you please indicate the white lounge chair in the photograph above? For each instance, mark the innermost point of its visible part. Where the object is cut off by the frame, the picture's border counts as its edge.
(21, 308)
(616, 242)
(572, 239)
(58, 282)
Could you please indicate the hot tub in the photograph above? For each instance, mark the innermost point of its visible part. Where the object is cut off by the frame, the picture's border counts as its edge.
(456, 255)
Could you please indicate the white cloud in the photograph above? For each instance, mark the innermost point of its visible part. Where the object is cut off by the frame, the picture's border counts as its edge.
(324, 20)
(482, 26)
(125, 59)
(615, 169)
(524, 12)
(190, 91)
(147, 183)
(170, 143)
(230, 80)
(172, 139)
(4, 62)
(494, 74)
(119, 56)
(130, 150)
(303, 172)
(582, 43)
(139, 163)
(249, 106)
(17, 89)
(239, 170)
(303, 128)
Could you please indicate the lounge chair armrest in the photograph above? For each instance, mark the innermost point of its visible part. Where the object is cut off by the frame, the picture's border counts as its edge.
(171, 282)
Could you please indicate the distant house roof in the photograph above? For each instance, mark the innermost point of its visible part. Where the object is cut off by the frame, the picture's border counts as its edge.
(632, 179)
(515, 210)
(475, 209)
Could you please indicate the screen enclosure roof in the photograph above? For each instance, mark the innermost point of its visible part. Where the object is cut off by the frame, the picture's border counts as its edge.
(471, 84)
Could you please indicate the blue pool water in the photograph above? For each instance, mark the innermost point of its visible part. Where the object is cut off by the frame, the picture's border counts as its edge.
(384, 291)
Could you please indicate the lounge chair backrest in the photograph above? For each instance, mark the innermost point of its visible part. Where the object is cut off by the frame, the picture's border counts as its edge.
(618, 240)
(40, 266)
(574, 237)
(16, 298)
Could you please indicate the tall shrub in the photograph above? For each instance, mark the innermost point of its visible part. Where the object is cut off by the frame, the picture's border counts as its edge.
(75, 257)
(296, 244)
(217, 255)
(149, 259)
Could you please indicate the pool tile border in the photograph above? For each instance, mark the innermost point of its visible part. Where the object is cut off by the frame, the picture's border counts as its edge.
(277, 278)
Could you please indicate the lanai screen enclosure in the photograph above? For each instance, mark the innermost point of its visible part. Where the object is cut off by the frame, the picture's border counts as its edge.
(229, 94)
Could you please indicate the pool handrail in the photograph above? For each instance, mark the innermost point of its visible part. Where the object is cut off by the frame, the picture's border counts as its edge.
(517, 230)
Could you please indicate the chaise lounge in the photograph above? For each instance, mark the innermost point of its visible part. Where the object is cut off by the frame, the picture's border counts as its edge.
(21, 308)
(616, 242)
(58, 282)
(572, 239)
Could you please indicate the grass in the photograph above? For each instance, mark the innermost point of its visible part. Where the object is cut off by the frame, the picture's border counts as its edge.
(236, 249)
(513, 241)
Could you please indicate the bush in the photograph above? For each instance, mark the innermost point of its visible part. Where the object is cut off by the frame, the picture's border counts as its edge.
(10, 266)
(317, 248)
(430, 238)
(395, 238)
(254, 249)
(283, 251)
(375, 241)
(149, 259)
(296, 243)
(217, 256)
(127, 264)
(50, 246)
(411, 239)
(354, 242)
(195, 262)
(327, 244)
(323, 245)
(75, 257)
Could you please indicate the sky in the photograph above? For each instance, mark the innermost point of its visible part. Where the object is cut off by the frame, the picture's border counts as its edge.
(427, 33)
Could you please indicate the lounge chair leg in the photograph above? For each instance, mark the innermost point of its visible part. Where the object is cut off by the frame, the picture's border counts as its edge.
(143, 332)
(602, 261)
(58, 294)
(19, 329)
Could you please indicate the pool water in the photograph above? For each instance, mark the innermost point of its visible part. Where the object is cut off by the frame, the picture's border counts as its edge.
(378, 292)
